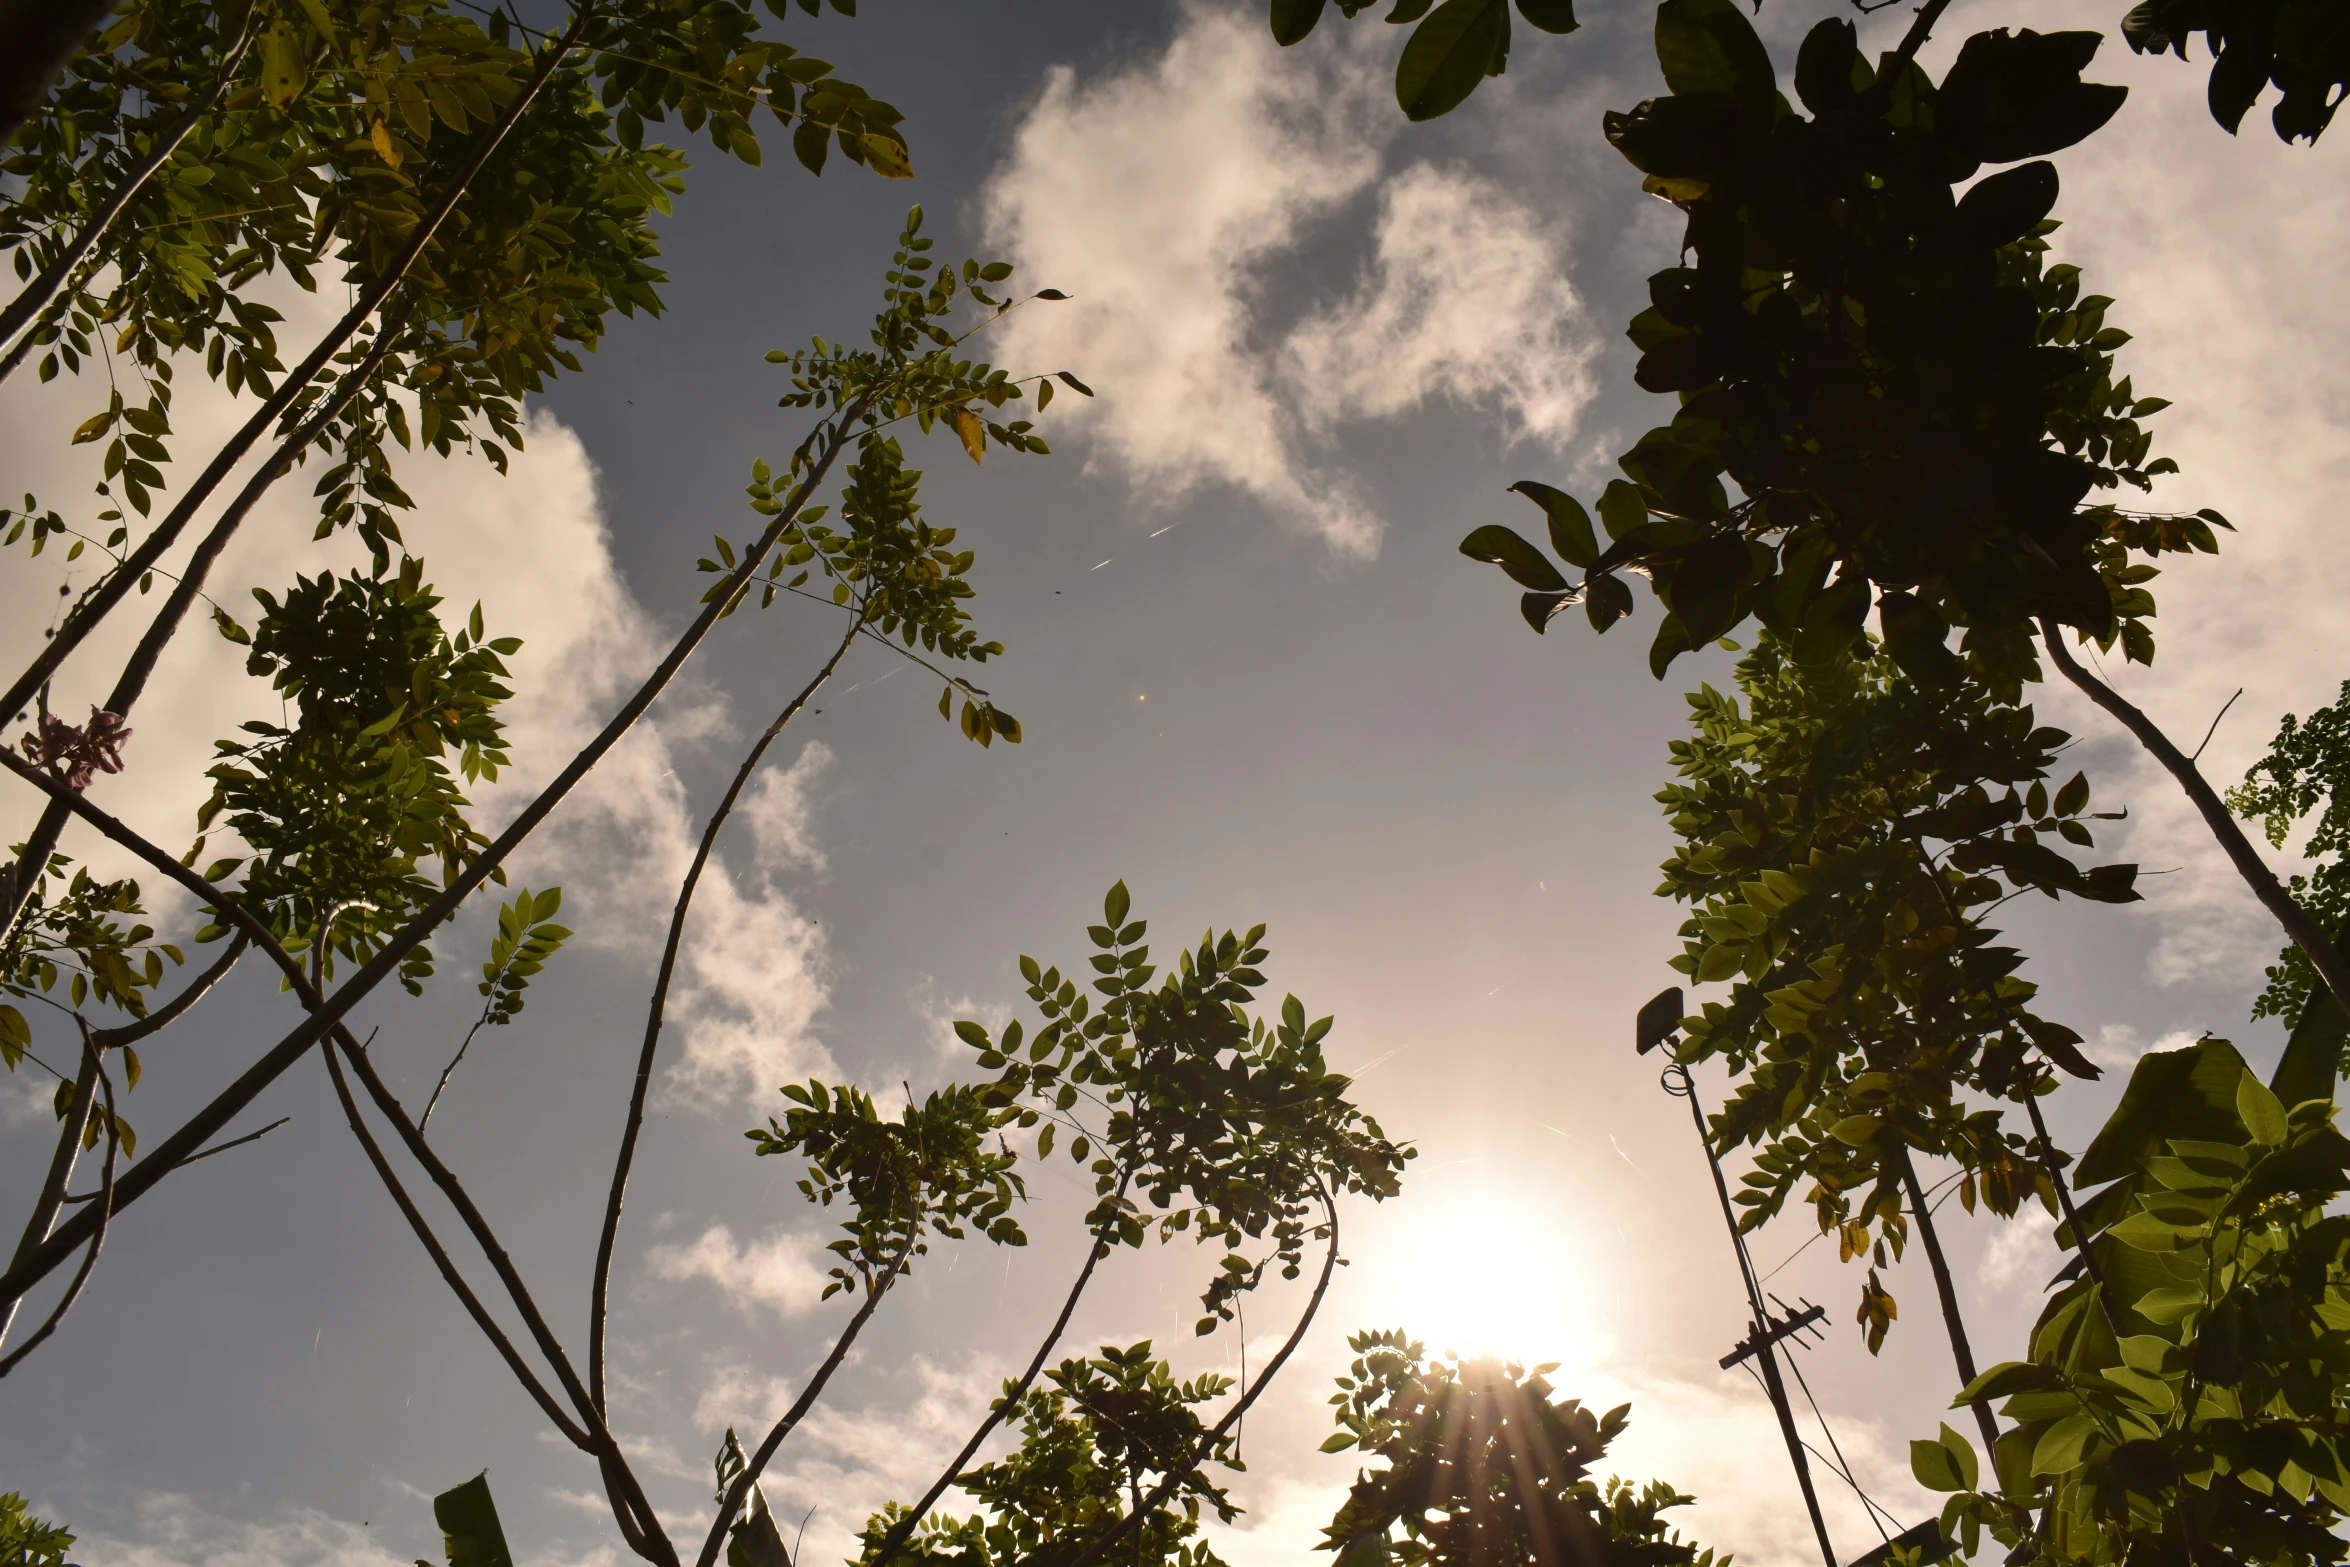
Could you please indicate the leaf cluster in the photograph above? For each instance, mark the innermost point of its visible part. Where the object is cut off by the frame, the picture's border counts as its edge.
(1105, 1430)
(1843, 831)
(2197, 1401)
(341, 811)
(1482, 1467)
(1910, 407)
(1225, 1127)
(2302, 47)
(930, 1171)
(2306, 770)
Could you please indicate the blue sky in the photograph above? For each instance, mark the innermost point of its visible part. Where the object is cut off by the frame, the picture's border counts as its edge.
(1258, 683)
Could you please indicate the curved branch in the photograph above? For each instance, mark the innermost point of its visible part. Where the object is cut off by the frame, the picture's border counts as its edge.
(1004, 1406)
(1960, 1351)
(200, 1127)
(732, 1502)
(1208, 1443)
(101, 603)
(52, 1198)
(2224, 827)
(599, 1291)
(104, 1213)
(178, 1006)
(448, 1268)
(21, 310)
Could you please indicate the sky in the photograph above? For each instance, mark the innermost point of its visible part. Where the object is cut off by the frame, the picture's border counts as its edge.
(1257, 683)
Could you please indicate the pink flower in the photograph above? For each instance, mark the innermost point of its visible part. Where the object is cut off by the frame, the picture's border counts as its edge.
(81, 753)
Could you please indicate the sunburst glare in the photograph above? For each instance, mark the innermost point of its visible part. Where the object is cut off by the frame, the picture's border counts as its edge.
(1485, 1274)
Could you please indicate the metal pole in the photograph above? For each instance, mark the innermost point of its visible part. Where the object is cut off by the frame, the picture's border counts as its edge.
(1678, 1083)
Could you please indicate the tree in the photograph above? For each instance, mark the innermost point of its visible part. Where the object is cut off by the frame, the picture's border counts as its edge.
(1889, 398)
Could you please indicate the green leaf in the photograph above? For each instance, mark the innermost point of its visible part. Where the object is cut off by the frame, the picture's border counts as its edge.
(1708, 46)
(2059, 1448)
(1338, 1443)
(1621, 508)
(1552, 16)
(1526, 565)
(2313, 1052)
(1570, 524)
(1449, 54)
(2263, 1112)
(1944, 1465)
(2004, 1381)
(1117, 904)
(470, 1532)
(970, 1033)
(1294, 19)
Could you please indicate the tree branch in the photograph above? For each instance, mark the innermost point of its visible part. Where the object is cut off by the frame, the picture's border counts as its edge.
(1959, 1349)
(1003, 1407)
(51, 1200)
(600, 1289)
(104, 1212)
(732, 1502)
(205, 1123)
(1207, 1444)
(178, 1006)
(448, 1268)
(2224, 827)
(119, 582)
(28, 302)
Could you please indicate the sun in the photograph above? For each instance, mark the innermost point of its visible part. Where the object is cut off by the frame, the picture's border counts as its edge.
(1481, 1274)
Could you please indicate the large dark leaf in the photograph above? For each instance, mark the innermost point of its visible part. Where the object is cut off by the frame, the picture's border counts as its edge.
(470, 1533)
(2187, 1093)
(1918, 639)
(1708, 46)
(2313, 1055)
(1824, 66)
(2006, 205)
(1705, 586)
(1449, 54)
(1570, 524)
(1552, 16)
(2011, 96)
(1293, 19)
(1527, 566)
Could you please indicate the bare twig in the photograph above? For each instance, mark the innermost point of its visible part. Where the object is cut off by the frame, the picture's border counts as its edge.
(633, 1125)
(234, 1142)
(2303, 930)
(2214, 729)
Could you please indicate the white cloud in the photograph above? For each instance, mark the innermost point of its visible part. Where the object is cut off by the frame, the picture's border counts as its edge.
(176, 1531)
(744, 1398)
(2119, 1047)
(1165, 196)
(783, 1271)
(1466, 296)
(2022, 1251)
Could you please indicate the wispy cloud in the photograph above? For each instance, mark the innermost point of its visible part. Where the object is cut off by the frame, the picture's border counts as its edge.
(1167, 196)
(781, 1271)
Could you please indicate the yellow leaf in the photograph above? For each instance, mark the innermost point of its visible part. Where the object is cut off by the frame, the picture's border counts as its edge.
(886, 157)
(381, 136)
(320, 22)
(284, 65)
(129, 335)
(93, 427)
(974, 433)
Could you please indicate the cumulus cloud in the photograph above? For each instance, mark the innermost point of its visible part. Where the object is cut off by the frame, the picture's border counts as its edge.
(173, 1530)
(782, 1271)
(1165, 197)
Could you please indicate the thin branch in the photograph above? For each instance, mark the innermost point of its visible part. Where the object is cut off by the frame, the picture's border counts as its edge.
(438, 1088)
(104, 1213)
(2064, 1200)
(2303, 930)
(732, 1502)
(205, 1123)
(633, 1125)
(71, 634)
(51, 1200)
(178, 1006)
(35, 294)
(448, 1268)
(234, 1142)
(1207, 1444)
(1959, 1350)
(2214, 729)
(1005, 1406)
